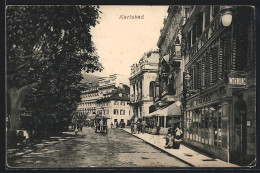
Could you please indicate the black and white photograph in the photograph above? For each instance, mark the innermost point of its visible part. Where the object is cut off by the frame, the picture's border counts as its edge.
(130, 86)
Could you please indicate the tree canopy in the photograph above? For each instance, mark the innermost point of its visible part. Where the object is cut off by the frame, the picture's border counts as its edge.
(49, 46)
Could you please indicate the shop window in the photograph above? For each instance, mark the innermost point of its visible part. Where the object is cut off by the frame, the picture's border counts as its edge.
(188, 124)
(206, 115)
(191, 124)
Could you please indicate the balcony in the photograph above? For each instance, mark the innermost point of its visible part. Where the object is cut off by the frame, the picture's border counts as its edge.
(142, 67)
(208, 35)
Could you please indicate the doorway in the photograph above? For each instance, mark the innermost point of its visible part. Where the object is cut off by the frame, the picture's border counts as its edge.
(240, 125)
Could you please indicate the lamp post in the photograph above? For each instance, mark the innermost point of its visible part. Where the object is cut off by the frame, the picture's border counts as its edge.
(226, 12)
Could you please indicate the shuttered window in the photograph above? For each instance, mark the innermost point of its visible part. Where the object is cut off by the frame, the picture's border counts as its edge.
(207, 69)
(224, 56)
(240, 46)
(214, 53)
(203, 72)
(199, 74)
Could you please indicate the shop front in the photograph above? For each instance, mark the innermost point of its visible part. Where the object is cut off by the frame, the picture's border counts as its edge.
(206, 124)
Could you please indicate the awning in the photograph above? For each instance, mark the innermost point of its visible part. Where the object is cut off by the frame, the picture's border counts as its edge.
(172, 110)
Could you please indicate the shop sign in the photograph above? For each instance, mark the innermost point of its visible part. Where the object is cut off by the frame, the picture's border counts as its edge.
(237, 80)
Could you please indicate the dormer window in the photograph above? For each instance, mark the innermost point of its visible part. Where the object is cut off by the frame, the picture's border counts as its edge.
(120, 94)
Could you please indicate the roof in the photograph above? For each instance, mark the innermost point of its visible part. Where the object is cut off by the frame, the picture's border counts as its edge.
(115, 94)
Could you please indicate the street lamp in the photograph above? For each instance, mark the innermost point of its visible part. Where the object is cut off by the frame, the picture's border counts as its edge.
(226, 12)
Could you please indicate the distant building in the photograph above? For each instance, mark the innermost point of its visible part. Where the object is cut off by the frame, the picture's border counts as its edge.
(142, 84)
(115, 105)
(105, 96)
(89, 97)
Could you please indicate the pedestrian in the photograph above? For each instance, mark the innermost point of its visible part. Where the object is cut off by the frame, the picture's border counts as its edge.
(116, 124)
(177, 138)
(101, 125)
(132, 127)
(143, 126)
(138, 127)
(169, 137)
(111, 125)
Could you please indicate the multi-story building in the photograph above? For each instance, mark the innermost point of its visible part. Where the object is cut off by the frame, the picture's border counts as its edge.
(87, 106)
(98, 90)
(169, 79)
(115, 105)
(142, 84)
(219, 63)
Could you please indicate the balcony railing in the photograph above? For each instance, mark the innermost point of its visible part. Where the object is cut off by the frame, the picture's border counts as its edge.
(213, 28)
(144, 66)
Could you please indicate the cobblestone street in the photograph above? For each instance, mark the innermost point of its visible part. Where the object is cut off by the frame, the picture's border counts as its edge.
(90, 149)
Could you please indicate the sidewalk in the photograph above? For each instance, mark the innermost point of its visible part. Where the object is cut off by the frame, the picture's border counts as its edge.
(184, 153)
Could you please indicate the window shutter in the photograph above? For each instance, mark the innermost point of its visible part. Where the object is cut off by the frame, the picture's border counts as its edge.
(220, 59)
(207, 69)
(203, 72)
(211, 66)
(226, 57)
(241, 45)
(199, 74)
(215, 64)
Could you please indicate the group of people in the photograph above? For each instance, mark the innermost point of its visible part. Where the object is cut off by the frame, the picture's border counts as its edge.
(173, 137)
(118, 125)
(138, 127)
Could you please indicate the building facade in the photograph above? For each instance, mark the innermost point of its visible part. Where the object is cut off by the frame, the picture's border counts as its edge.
(220, 90)
(102, 89)
(169, 79)
(142, 84)
(87, 106)
(115, 105)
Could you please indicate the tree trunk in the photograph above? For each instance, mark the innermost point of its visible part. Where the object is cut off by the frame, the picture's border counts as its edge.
(14, 102)
(14, 105)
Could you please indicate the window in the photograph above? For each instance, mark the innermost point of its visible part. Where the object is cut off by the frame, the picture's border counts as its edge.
(115, 103)
(151, 89)
(207, 16)
(122, 103)
(115, 111)
(215, 10)
(122, 112)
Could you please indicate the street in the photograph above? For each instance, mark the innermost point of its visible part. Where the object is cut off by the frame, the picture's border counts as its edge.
(90, 149)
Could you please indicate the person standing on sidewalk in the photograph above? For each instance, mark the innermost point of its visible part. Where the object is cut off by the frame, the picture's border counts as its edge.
(143, 126)
(101, 125)
(170, 137)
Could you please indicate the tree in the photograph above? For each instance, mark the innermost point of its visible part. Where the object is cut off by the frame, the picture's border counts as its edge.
(47, 48)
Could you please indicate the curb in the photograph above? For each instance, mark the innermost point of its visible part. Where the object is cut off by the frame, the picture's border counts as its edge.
(160, 149)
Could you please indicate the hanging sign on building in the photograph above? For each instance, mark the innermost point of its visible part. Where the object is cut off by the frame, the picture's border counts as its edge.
(237, 80)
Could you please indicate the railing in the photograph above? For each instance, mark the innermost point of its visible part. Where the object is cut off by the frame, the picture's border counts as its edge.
(144, 66)
(207, 34)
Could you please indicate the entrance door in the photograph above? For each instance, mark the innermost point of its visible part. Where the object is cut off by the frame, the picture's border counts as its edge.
(240, 117)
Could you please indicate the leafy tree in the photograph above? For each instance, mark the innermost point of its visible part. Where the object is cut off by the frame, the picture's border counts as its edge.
(47, 48)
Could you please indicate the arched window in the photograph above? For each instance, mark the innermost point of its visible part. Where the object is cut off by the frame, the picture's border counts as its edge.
(151, 89)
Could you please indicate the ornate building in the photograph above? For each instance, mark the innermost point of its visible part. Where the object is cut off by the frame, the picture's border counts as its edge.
(169, 79)
(142, 84)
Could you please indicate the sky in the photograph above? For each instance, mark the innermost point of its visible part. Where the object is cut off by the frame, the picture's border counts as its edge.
(122, 42)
